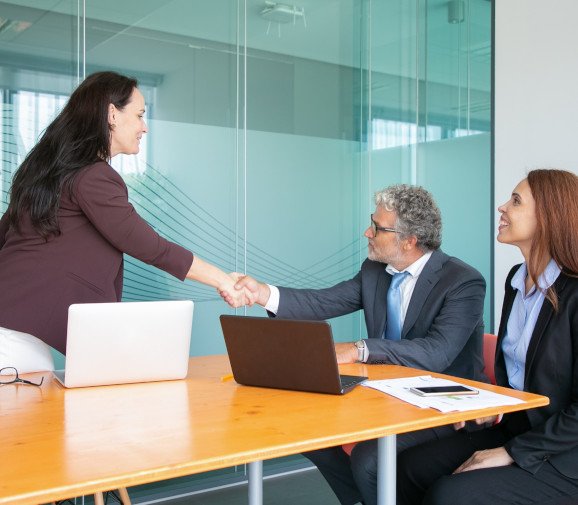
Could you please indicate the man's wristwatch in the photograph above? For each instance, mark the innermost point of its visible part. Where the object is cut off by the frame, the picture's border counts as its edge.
(361, 350)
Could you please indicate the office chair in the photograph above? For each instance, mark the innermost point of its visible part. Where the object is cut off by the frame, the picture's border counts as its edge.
(489, 351)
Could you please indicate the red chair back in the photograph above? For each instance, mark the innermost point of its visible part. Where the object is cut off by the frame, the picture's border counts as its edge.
(490, 342)
(347, 448)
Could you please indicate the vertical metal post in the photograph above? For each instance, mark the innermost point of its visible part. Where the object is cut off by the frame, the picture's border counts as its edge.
(386, 470)
(83, 39)
(256, 483)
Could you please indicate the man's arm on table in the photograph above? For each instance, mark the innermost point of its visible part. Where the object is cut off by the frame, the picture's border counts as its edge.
(313, 304)
(460, 313)
(451, 328)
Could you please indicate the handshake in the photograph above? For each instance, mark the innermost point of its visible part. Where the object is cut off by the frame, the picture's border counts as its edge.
(240, 290)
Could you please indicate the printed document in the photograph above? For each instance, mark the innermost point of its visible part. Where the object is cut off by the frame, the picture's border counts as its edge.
(400, 388)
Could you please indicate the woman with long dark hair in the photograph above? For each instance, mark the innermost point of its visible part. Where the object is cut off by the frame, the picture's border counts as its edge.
(531, 456)
(69, 221)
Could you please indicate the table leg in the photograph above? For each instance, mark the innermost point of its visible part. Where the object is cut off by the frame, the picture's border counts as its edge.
(386, 470)
(124, 497)
(256, 483)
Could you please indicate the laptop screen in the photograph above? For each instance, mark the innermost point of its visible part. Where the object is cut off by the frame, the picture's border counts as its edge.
(281, 353)
(117, 343)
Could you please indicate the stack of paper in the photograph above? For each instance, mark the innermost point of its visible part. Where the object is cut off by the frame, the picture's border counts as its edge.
(400, 388)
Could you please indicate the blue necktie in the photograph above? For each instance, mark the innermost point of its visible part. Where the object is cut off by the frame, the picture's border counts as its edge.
(393, 327)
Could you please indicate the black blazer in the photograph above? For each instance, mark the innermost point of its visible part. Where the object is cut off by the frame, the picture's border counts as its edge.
(551, 370)
(443, 327)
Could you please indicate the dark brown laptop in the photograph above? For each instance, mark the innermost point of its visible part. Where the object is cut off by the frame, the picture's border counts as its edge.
(284, 354)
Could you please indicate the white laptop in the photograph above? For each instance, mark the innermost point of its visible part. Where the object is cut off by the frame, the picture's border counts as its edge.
(119, 343)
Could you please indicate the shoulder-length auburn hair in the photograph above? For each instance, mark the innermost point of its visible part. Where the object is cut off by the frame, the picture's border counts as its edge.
(78, 137)
(555, 193)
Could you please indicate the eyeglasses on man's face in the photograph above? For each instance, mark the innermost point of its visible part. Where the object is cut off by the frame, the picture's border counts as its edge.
(9, 375)
(375, 228)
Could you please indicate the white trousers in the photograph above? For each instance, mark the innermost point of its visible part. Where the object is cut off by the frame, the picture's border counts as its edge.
(24, 352)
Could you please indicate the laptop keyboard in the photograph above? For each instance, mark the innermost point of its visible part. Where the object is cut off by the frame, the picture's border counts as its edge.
(350, 380)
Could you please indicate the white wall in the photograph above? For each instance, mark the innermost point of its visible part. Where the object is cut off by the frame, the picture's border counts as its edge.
(536, 101)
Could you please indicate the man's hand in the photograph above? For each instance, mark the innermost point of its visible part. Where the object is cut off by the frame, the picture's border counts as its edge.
(244, 290)
(346, 353)
(489, 458)
(258, 291)
(490, 420)
(234, 297)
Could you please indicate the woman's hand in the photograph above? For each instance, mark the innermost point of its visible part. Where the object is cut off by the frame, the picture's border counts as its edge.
(246, 290)
(236, 297)
(204, 272)
(490, 458)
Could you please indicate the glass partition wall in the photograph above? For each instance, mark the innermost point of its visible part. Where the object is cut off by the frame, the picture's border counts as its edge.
(271, 125)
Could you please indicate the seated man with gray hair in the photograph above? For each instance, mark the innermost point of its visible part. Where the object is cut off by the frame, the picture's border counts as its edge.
(422, 309)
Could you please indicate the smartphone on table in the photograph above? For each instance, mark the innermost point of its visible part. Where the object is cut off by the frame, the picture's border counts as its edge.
(443, 390)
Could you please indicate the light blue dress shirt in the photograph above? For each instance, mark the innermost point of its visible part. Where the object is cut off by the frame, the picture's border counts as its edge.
(522, 320)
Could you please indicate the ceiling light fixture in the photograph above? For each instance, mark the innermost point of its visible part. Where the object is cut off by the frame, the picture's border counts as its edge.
(282, 13)
(9, 25)
(456, 11)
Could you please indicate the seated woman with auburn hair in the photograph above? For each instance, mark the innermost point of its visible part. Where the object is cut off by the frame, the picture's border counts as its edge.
(531, 456)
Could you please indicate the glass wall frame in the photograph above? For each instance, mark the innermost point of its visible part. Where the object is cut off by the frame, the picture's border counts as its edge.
(270, 132)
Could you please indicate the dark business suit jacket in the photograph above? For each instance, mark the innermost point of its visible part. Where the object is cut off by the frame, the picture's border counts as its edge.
(39, 279)
(551, 370)
(443, 327)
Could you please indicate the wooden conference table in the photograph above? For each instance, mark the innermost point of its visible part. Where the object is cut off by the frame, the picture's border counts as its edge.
(57, 443)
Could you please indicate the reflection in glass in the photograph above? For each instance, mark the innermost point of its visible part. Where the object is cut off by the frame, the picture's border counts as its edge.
(259, 121)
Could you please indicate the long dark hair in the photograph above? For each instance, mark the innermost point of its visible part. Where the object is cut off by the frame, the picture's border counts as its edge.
(556, 195)
(78, 137)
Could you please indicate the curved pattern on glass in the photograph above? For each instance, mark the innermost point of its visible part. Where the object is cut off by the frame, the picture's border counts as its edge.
(185, 222)
(180, 219)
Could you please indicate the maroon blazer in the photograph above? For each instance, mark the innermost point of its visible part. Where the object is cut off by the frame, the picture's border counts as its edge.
(40, 279)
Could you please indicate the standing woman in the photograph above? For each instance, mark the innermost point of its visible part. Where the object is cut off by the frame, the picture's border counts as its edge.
(530, 456)
(69, 221)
